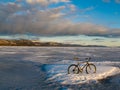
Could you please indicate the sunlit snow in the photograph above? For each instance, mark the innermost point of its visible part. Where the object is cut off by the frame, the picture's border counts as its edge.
(59, 73)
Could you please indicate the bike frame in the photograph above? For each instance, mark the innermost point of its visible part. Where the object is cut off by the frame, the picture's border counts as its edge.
(81, 68)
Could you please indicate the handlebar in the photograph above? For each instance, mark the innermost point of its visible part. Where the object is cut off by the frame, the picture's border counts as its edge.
(87, 59)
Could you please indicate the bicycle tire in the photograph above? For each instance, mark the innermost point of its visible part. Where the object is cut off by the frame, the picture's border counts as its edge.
(90, 69)
(73, 69)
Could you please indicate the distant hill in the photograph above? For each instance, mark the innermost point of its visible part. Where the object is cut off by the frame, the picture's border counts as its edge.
(21, 42)
(24, 42)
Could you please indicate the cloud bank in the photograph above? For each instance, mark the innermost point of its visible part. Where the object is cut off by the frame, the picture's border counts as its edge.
(24, 17)
(46, 2)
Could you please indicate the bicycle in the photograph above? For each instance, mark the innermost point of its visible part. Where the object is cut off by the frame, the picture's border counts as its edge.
(90, 68)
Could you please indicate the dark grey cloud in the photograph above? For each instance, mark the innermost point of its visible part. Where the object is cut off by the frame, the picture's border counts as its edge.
(117, 1)
(7, 9)
(99, 39)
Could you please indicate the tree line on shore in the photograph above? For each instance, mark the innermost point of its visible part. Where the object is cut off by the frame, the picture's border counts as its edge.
(25, 42)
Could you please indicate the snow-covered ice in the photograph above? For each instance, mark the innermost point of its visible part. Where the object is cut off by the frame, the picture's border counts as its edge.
(36, 68)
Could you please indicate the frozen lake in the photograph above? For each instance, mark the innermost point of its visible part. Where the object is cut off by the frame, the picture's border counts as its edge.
(45, 68)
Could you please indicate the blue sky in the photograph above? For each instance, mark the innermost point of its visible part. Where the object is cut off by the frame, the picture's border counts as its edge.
(86, 22)
(104, 13)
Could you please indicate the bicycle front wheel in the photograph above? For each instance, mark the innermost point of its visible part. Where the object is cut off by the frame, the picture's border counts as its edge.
(73, 69)
(90, 69)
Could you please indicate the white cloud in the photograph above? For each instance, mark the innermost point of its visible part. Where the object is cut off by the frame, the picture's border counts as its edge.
(72, 7)
(86, 9)
(64, 0)
(45, 2)
(42, 2)
(57, 15)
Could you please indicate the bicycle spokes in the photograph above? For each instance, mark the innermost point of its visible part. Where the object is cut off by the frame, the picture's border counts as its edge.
(73, 69)
(90, 69)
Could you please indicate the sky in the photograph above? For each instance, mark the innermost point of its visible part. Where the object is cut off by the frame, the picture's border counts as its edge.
(85, 22)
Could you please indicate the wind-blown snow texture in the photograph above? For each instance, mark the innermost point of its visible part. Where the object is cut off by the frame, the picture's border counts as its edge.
(45, 68)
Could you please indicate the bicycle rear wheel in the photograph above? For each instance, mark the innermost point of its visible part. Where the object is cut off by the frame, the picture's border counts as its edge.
(73, 69)
(90, 69)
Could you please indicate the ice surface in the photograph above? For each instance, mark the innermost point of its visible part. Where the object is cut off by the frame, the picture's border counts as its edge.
(33, 68)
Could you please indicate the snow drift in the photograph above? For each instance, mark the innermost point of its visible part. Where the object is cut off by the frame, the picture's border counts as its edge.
(59, 73)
